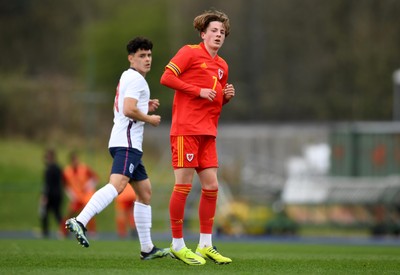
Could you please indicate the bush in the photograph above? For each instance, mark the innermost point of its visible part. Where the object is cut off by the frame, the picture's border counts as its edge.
(46, 108)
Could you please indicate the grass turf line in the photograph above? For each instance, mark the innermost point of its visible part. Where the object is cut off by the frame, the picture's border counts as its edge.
(122, 257)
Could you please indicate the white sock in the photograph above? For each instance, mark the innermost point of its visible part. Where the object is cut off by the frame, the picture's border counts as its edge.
(103, 197)
(142, 214)
(178, 244)
(205, 240)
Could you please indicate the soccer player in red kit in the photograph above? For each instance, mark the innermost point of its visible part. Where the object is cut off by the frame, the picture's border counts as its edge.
(199, 77)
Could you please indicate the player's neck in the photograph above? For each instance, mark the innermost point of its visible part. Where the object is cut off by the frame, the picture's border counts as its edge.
(142, 73)
(212, 52)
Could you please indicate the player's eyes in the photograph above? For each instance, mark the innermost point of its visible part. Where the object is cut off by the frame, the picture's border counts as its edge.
(216, 30)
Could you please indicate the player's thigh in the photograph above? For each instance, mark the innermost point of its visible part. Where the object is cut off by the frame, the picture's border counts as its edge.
(184, 175)
(119, 182)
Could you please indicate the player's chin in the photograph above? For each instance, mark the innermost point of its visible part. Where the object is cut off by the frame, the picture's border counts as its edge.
(146, 68)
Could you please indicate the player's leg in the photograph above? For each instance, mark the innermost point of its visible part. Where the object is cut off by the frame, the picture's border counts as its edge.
(177, 212)
(143, 219)
(143, 216)
(91, 226)
(184, 160)
(207, 207)
(208, 163)
(120, 175)
(182, 187)
(100, 200)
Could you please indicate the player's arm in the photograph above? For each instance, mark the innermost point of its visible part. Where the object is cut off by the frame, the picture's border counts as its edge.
(132, 111)
(175, 67)
(171, 80)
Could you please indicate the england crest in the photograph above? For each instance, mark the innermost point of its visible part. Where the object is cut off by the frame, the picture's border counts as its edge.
(131, 168)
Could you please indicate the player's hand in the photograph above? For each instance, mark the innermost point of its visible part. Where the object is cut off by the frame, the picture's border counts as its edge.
(208, 94)
(229, 91)
(153, 104)
(154, 120)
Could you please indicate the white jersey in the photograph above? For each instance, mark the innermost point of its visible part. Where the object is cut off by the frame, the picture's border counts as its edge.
(127, 132)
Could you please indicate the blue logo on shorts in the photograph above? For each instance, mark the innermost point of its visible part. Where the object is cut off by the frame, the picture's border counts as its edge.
(131, 167)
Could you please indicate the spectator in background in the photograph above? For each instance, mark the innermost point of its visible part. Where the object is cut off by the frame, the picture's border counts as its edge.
(80, 184)
(51, 197)
(124, 204)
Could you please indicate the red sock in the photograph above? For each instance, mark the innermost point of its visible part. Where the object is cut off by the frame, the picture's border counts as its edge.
(207, 206)
(177, 208)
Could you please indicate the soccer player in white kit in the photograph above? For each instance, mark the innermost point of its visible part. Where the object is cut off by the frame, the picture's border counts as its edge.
(131, 107)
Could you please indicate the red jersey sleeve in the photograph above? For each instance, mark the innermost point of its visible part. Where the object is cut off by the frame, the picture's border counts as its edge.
(178, 64)
(170, 80)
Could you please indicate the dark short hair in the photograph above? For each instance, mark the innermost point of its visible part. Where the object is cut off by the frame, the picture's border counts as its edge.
(139, 43)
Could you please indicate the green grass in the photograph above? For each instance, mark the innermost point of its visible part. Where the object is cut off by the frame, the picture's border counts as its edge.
(21, 166)
(121, 257)
(21, 180)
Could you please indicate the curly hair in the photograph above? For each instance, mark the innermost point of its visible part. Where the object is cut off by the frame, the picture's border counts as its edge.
(139, 43)
(202, 21)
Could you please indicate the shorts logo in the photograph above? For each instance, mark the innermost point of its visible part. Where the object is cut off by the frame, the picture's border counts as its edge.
(189, 157)
(131, 168)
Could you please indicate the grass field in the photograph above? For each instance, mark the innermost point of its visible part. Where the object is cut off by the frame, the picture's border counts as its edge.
(121, 257)
(20, 184)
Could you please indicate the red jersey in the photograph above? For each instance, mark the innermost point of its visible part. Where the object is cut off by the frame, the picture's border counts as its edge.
(191, 69)
(80, 182)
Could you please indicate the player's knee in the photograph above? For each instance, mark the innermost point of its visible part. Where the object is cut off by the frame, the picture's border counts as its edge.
(209, 185)
(119, 185)
(144, 197)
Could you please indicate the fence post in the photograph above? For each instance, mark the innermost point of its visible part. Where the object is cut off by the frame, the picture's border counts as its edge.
(396, 95)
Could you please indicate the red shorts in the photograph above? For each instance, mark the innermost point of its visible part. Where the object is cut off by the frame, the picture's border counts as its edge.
(194, 152)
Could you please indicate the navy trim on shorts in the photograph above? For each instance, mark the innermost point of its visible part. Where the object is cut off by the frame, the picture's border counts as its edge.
(128, 162)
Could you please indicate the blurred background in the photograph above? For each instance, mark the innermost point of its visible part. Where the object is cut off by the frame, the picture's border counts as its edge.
(309, 146)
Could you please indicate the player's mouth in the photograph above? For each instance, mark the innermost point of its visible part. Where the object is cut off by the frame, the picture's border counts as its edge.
(218, 42)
